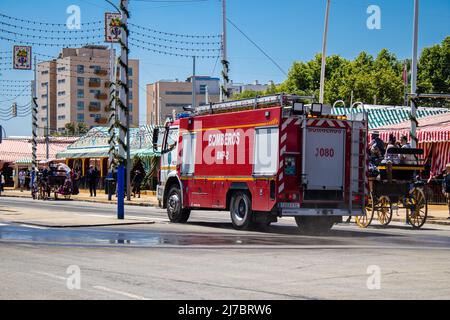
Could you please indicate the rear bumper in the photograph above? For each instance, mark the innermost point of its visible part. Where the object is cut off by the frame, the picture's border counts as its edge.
(295, 212)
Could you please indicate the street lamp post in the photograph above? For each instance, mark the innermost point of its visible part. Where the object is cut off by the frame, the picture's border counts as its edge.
(324, 53)
(414, 75)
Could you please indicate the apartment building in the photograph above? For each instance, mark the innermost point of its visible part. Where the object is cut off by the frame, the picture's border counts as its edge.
(75, 87)
(167, 96)
(237, 88)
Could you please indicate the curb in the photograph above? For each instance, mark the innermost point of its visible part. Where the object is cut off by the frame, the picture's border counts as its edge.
(141, 204)
(81, 225)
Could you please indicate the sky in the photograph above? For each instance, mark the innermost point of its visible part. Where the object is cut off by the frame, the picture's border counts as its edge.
(287, 30)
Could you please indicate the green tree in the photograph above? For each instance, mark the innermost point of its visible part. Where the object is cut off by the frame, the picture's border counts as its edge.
(76, 128)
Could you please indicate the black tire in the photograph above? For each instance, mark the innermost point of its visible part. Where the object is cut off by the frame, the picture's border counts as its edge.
(241, 210)
(174, 205)
(314, 225)
(417, 210)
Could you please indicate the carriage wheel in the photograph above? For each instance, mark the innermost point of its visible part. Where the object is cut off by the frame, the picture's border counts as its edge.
(417, 210)
(365, 220)
(384, 210)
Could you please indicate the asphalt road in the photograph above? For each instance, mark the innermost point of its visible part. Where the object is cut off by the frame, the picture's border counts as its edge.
(207, 259)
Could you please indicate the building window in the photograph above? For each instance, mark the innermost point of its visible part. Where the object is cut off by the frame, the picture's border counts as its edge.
(203, 88)
(44, 107)
(80, 105)
(61, 93)
(62, 69)
(95, 92)
(44, 119)
(61, 117)
(130, 107)
(80, 93)
(179, 93)
(130, 83)
(130, 95)
(44, 72)
(43, 96)
(131, 118)
(80, 81)
(61, 105)
(80, 68)
(80, 117)
(94, 80)
(62, 81)
(130, 71)
(96, 68)
(95, 104)
(44, 84)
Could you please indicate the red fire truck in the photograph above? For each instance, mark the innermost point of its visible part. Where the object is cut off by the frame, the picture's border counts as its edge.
(264, 158)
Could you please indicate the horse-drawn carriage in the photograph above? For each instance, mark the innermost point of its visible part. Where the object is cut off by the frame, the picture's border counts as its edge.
(394, 186)
(57, 182)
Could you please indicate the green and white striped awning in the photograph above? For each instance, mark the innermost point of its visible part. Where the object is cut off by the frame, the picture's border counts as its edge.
(95, 144)
(380, 116)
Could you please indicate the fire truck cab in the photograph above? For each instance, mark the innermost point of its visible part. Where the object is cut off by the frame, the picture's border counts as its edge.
(262, 159)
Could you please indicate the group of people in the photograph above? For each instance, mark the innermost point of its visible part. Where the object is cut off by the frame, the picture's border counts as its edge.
(379, 153)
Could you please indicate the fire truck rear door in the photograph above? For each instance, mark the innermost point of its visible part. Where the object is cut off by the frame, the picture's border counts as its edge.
(324, 158)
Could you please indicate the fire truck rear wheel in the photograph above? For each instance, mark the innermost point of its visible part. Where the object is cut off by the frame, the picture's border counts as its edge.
(241, 210)
(314, 225)
(174, 205)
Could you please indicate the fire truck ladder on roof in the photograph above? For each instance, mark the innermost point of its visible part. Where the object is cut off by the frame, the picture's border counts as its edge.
(254, 103)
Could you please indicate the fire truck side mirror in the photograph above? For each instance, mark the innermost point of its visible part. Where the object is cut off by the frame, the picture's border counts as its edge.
(155, 139)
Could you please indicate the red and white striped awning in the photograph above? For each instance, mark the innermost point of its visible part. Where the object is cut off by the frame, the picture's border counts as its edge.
(433, 134)
(13, 149)
(430, 129)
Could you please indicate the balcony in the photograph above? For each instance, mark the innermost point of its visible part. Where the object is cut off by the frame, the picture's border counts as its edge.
(101, 72)
(94, 84)
(94, 108)
(101, 96)
(107, 84)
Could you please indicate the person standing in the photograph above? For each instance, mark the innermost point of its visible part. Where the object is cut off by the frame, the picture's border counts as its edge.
(446, 187)
(2, 182)
(92, 178)
(21, 180)
(137, 181)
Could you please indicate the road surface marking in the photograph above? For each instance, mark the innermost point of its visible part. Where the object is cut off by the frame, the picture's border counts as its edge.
(50, 275)
(3, 224)
(122, 293)
(31, 226)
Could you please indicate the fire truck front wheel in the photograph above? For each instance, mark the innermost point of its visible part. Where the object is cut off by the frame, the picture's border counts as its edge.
(174, 205)
(241, 210)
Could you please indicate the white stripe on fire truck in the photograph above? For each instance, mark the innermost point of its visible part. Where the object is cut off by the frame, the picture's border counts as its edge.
(283, 138)
(281, 164)
(281, 188)
(283, 150)
(286, 123)
(280, 177)
(297, 123)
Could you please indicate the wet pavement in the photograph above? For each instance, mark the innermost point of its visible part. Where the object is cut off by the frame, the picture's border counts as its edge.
(207, 229)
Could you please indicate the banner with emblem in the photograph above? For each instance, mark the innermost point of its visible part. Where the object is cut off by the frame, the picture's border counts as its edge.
(22, 57)
(113, 28)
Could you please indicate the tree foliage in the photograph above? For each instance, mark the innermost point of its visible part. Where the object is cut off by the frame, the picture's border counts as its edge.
(372, 80)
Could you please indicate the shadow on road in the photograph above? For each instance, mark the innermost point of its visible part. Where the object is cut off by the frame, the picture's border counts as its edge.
(294, 231)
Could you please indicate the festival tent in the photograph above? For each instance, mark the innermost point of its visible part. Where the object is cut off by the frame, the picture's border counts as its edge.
(94, 146)
(433, 134)
(380, 116)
